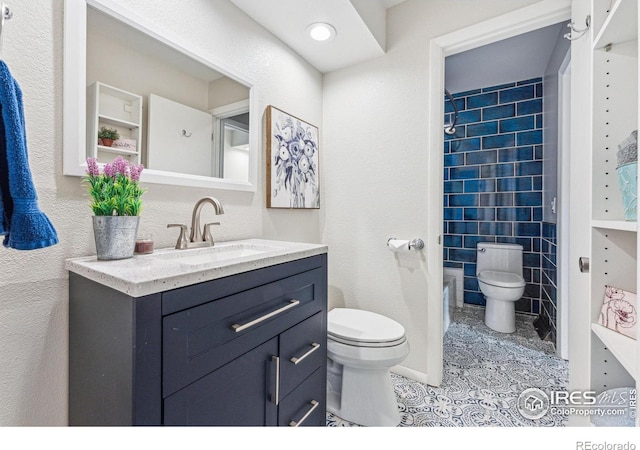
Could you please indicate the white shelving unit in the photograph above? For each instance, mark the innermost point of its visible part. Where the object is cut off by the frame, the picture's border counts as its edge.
(108, 106)
(614, 243)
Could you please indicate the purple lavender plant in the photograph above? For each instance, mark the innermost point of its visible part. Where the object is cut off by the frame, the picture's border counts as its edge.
(115, 192)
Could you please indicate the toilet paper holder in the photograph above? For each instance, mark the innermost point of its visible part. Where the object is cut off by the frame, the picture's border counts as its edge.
(414, 244)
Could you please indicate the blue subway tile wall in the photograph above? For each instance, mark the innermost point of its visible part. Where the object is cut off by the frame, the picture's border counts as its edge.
(493, 188)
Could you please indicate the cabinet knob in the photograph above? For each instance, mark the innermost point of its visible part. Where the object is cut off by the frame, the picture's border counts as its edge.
(583, 263)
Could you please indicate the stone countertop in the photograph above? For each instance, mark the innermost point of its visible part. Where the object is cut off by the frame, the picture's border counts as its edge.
(167, 269)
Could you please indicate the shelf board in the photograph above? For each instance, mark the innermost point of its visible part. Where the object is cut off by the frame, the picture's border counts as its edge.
(117, 122)
(620, 225)
(621, 24)
(111, 91)
(622, 347)
(116, 150)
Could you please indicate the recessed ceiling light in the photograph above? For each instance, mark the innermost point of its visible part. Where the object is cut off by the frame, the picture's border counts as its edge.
(321, 31)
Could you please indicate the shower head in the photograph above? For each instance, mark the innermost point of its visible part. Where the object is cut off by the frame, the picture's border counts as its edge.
(450, 129)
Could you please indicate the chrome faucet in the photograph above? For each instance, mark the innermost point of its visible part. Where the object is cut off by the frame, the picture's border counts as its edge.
(200, 236)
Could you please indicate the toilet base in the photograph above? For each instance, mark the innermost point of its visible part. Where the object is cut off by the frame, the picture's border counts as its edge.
(500, 315)
(367, 398)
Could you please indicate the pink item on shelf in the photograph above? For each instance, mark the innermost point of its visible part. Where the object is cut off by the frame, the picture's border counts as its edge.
(619, 312)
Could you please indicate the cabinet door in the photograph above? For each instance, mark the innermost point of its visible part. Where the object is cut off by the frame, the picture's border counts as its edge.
(237, 393)
(306, 405)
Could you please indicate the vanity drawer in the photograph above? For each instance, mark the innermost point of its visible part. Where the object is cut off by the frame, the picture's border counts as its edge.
(306, 406)
(198, 340)
(303, 349)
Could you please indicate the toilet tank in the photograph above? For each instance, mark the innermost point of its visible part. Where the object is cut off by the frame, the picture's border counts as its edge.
(499, 256)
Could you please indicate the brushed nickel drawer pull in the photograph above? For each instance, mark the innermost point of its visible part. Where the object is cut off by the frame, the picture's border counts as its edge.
(238, 327)
(314, 404)
(275, 398)
(315, 346)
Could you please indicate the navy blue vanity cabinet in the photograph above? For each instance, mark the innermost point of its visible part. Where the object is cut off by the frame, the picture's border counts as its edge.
(248, 349)
(235, 394)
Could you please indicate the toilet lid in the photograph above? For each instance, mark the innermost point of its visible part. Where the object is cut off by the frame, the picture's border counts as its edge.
(501, 279)
(366, 328)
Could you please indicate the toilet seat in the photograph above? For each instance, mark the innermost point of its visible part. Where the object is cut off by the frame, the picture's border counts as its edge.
(501, 279)
(363, 328)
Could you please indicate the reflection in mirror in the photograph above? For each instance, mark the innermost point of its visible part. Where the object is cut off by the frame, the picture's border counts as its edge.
(234, 141)
(171, 112)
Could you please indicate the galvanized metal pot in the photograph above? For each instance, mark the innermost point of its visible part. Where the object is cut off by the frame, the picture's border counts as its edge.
(115, 236)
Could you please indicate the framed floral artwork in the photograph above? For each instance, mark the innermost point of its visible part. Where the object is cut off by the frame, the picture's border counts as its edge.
(618, 311)
(292, 162)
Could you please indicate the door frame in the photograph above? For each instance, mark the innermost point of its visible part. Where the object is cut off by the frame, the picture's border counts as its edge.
(564, 147)
(533, 17)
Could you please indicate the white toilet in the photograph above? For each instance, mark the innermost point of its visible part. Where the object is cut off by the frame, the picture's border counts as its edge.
(361, 347)
(499, 272)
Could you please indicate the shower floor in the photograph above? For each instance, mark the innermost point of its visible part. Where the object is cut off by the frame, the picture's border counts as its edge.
(484, 373)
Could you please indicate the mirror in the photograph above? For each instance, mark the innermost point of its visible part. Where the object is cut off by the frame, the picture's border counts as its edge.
(186, 118)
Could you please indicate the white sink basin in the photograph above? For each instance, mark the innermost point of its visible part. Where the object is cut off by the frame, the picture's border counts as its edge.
(220, 253)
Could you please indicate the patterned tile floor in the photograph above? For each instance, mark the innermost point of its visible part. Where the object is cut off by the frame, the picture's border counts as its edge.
(484, 373)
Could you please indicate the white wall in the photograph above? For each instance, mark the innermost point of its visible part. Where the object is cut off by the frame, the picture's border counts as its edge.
(33, 285)
(550, 114)
(375, 156)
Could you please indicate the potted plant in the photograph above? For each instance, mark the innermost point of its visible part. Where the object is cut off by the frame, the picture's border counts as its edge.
(108, 135)
(116, 204)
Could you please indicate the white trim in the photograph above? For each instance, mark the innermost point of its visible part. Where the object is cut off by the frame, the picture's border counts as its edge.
(564, 141)
(533, 17)
(538, 15)
(74, 95)
(74, 105)
(232, 109)
(412, 374)
(435, 208)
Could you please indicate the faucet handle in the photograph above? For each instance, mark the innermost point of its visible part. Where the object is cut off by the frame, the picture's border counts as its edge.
(182, 242)
(207, 232)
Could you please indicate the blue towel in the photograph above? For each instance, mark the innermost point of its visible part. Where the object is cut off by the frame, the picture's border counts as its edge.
(25, 227)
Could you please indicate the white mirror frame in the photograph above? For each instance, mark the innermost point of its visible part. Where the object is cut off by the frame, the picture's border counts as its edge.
(75, 86)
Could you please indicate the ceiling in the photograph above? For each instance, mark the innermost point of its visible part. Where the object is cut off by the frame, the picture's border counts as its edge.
(517, 58)
(361, 35)
(360, 28)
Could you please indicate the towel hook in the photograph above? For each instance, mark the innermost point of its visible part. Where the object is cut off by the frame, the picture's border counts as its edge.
(185, 134)
(5, 14)
(580, 33)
